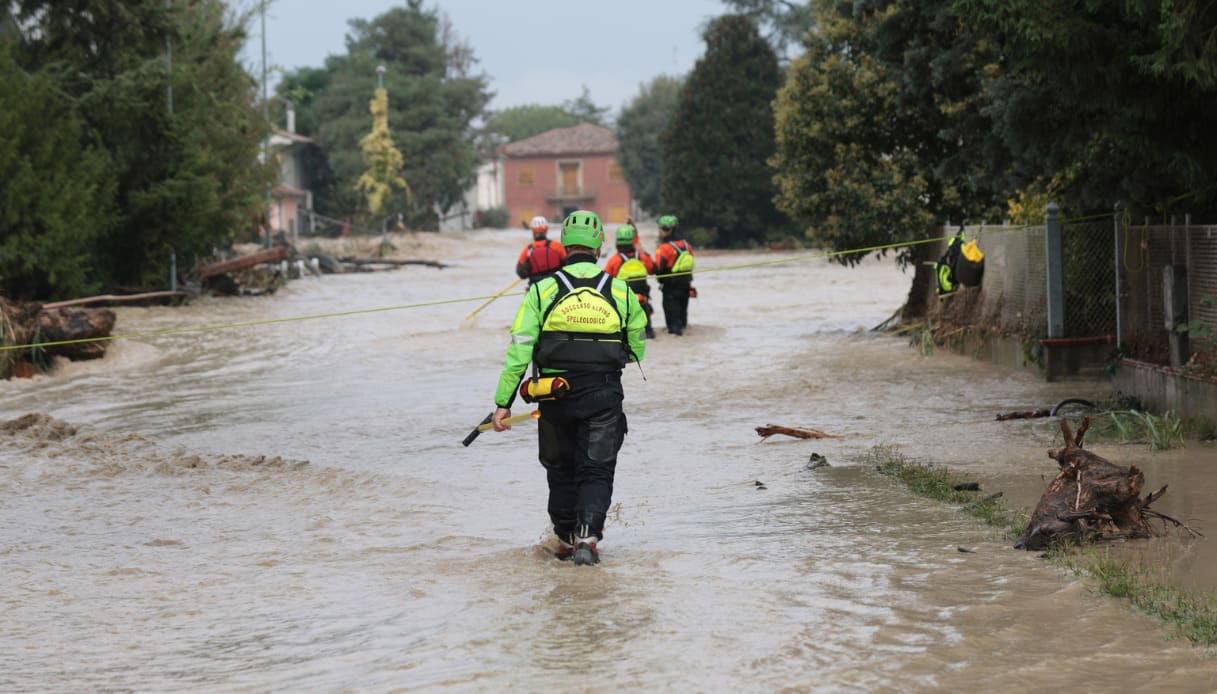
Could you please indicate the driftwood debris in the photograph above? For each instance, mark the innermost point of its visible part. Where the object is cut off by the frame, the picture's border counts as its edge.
(368, 263)
(797, 432)
(1027, 414)
(268, 255)
(1091, 499)
(31, 323)
(120, 298)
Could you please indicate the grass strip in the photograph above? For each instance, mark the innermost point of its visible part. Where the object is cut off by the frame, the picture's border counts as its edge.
(1192, 614)
(939, 483)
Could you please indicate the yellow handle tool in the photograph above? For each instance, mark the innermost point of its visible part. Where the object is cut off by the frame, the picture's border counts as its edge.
(487, 424)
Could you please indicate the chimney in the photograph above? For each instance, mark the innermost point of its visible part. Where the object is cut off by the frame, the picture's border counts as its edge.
(291, 117)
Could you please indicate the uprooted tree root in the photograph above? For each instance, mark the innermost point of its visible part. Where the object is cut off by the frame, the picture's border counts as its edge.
(1091, 499)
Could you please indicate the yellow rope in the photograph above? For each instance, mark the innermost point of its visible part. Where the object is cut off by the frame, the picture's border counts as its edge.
(402, 307)
(244, 324)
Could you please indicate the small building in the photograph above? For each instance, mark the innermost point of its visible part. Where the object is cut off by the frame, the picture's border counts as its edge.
(486, 193)
(562, 170)
(291, 203)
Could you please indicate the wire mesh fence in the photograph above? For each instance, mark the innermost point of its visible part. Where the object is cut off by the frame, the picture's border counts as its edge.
(1145, 251)
(1112, 286)
(1011, 301)
(1088, 261)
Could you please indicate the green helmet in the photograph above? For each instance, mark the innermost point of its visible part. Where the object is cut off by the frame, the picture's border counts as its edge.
(668, 221)
(582, 228)
(625, 235)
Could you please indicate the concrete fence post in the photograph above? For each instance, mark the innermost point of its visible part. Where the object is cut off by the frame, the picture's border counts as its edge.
(1121, 298)
(1055, 271)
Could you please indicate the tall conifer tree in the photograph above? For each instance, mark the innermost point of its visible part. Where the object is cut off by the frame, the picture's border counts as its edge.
(715, 149)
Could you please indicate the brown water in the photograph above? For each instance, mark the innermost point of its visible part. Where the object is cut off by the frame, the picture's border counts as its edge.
(287, 507)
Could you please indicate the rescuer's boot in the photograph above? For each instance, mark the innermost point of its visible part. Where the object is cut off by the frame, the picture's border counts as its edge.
(586, 554)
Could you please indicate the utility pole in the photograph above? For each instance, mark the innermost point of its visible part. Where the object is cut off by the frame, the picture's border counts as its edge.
(266, 115)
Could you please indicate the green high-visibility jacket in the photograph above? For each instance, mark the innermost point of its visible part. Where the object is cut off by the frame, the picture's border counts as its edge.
(526, 329)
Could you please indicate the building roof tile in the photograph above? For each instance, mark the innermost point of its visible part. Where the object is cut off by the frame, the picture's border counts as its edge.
(585, 138)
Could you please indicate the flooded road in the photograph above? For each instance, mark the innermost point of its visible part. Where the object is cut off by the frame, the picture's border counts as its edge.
(287, 506)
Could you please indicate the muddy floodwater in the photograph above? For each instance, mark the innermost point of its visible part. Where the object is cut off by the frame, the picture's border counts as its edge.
(286, 506)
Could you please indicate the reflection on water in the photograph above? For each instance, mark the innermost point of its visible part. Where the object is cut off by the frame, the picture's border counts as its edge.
(287, 507)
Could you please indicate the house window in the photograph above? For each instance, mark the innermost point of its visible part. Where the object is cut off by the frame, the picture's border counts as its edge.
(616, 214)
(526, 214)
(615, 174)
(526, 177)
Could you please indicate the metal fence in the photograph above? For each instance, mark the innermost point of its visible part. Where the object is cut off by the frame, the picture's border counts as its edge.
(1011, 300)
(1111, 285)
(1089, 278)
(1144, 253)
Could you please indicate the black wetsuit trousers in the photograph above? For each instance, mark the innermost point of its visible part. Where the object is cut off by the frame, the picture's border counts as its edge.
(675, 305)
(643, 288)
(579, 438)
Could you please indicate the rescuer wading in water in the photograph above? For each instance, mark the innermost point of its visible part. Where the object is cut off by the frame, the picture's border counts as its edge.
(540, 258)
(674, 269)
(578, 329)
(631, 264)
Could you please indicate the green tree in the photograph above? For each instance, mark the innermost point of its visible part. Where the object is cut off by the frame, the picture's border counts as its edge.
(187, 175)
(881, 131)
(519, 122)
(1112, 100)
(715, 148)
(56, 194)
(1187, 39)
(585, 110)
(432, 102)
(639, 129)
(385, 163)
(786, 23)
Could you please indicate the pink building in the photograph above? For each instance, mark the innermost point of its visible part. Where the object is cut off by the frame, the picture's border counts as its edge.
(291, 201)
(559, 171)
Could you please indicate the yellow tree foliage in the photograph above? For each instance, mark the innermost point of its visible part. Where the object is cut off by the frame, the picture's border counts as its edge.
(384, 161)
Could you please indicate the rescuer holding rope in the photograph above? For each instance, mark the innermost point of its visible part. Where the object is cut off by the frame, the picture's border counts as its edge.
(578, 329)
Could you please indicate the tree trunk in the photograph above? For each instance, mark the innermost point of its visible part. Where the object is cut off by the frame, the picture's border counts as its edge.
(917, 305)
(71, 323)
(24, 323)
(1090, 499)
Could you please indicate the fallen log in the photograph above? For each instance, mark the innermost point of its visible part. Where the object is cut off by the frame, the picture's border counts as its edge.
(1091, 499)
(72, 324)
(23, 323)
(797, 432)
(267, 255)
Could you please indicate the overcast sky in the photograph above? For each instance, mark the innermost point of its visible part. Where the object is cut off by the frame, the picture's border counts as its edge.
(533, 51)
